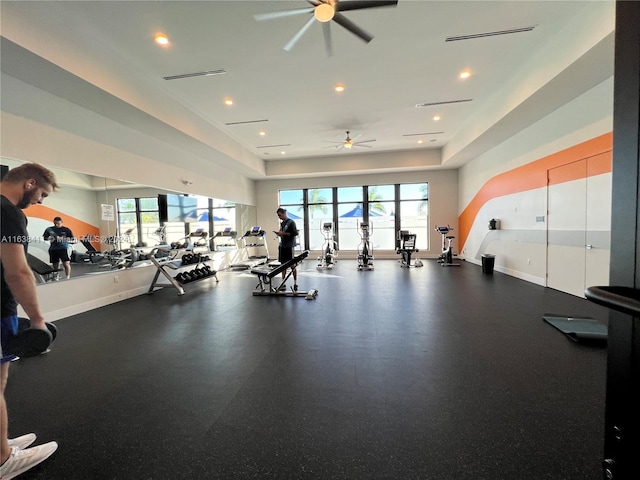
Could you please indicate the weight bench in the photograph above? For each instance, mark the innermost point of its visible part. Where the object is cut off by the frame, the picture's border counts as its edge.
(266, 285)
(43, 271)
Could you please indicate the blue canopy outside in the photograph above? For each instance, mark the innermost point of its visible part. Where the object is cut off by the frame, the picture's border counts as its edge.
(358, 212)
(204, 217)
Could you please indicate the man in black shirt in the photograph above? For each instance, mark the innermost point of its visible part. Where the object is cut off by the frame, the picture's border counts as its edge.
(287, 233)
(21, 187)
(59, 237)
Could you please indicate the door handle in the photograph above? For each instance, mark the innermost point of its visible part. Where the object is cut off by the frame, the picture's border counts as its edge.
(588, 247)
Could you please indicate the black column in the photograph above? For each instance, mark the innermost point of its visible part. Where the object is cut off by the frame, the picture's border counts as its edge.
(622, 426)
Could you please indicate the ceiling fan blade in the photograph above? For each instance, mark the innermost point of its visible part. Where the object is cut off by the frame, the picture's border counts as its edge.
(285, 13)
(358, 145)
(366, 141)
(326, 31)
(343, 6)
(352, 27)
(298, 35)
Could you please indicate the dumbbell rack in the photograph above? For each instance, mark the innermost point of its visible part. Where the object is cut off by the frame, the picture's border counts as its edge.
(166, 266)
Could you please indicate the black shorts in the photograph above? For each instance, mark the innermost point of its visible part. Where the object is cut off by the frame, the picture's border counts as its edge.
(59, 255)
(285, 254)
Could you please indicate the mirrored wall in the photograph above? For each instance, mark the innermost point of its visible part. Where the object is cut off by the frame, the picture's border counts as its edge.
(117, 225)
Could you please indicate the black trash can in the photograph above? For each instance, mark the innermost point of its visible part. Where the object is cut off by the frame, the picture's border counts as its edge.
(488, 261)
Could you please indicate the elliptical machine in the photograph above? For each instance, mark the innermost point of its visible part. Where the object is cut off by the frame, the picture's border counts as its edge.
(329, 247)
(365, 252)
(446, 257)
(161, 234)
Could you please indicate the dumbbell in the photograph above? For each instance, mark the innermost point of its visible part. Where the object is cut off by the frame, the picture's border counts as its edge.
(182, 277)
(190, 276)
(29, 342)
(197, 272)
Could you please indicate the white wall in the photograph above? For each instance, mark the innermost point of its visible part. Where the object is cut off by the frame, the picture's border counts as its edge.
(37, 126)
(520, 244)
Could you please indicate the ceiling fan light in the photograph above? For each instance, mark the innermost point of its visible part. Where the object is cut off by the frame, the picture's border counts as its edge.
(347, 145)
(324, 12)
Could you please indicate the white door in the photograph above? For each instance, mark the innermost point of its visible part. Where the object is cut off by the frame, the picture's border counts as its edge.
(598, 238)
(566, 227)
(579, 224)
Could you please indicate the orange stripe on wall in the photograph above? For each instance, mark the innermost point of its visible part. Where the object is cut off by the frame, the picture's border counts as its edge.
(534, 175)
(78, 227)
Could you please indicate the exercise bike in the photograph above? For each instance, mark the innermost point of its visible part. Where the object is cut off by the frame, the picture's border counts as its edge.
(329, 247)
(446, 257)
(406, 248)
(365, 252)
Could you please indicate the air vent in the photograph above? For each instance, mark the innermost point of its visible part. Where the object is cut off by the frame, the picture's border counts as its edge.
(420, 134)
(447, 102)
(196, 74)
(247, 121)
(489, 34)
(274, 146)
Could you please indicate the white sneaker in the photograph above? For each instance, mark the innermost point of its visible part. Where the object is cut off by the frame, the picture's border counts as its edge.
(22, 442)
(22, 460)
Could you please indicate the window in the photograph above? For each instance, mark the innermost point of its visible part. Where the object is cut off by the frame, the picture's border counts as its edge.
(414, 212)
(320, 207)
(126, 222)
(149, 221)
(224, 215)
(202, 216)
(387, 209)
(381, 201)
(293, 202)
(138, 221)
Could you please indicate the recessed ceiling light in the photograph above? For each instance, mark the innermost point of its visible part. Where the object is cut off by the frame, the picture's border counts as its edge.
(162, 39)
(283, 152)
(262, 133)
(339, 87)
(436, 118)
(228, 101)
(465, 74)
(420, 141)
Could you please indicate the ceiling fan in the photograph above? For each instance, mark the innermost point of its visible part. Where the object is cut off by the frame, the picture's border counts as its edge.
(349, 143)
(324, 11)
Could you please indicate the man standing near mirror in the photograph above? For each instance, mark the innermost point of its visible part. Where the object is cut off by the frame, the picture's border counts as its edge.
(287, 233)
(59, 237)
(21, 187)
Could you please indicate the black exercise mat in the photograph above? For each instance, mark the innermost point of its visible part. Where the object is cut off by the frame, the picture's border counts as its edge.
(582, 329)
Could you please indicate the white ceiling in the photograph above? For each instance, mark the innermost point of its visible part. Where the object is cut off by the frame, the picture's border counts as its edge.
(517, 78)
